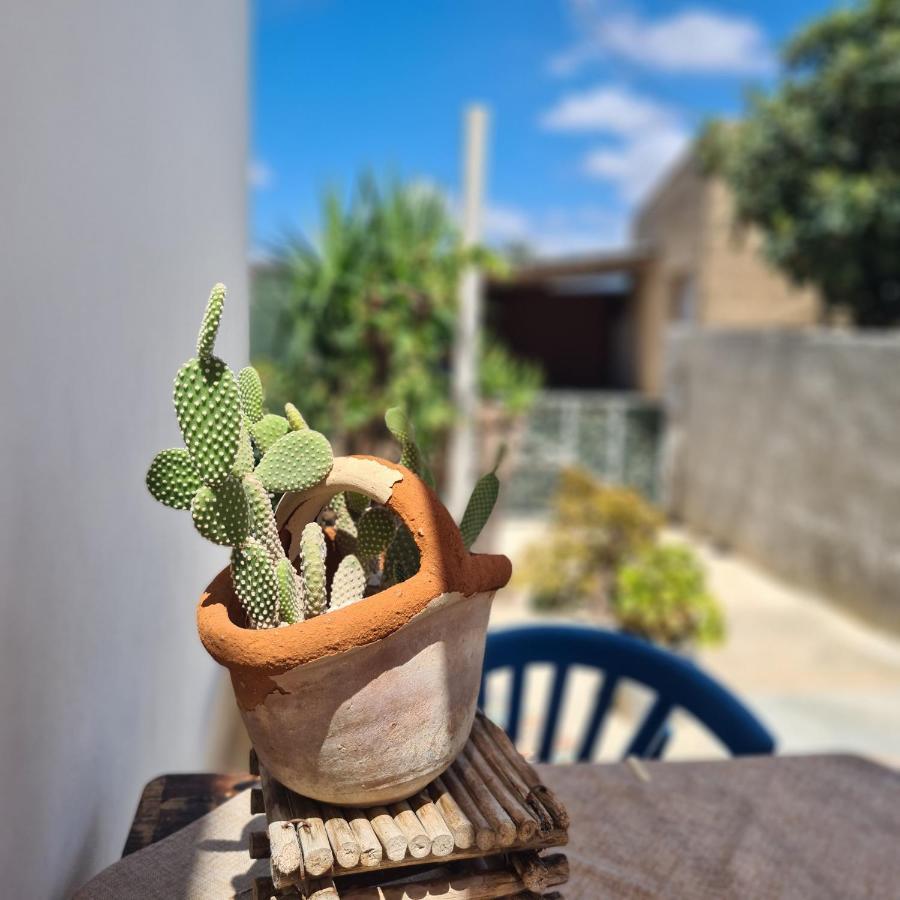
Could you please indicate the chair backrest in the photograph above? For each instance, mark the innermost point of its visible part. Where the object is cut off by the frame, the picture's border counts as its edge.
(676, 682)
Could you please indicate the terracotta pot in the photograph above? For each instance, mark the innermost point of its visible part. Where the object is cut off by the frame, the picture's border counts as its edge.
(367, 704)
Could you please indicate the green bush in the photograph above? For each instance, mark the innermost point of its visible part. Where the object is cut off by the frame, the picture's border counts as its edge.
(662, 596)
(595, 527)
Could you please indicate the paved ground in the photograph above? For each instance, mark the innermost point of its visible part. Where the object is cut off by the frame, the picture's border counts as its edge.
(819, 679)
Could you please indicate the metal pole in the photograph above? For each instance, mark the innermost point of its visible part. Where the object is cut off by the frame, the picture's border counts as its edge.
(462, 460)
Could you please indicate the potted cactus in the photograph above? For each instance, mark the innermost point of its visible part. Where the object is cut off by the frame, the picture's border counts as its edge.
(352, 616)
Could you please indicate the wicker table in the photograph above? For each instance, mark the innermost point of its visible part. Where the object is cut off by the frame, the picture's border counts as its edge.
(785, 827)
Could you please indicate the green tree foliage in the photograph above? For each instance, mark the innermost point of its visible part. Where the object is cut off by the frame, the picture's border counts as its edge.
(363, 318)
(817, 163)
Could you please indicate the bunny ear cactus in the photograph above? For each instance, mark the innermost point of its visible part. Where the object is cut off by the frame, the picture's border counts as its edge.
(481, 502)
(312, 569)
(267, 430)
(256, 583)
(250, 390)
(172, 478)
(374, 533)
(214, 475)
(410, 455)
(294, 419)
(212, 315)
(295, 462)
(290, 607)
(236, 457)
(221, 513)
(349, 583)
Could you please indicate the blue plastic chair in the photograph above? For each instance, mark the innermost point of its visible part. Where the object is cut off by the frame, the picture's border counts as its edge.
(676, 682)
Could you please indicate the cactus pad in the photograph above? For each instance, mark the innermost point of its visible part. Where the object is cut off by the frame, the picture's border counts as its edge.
(344, 524)
(244, 461)
(209, 415)
(268, 430)
(255, 584)
(410, 456)
(312, 569)
(221, 513)
(295, 462)
(209, 327)
(481, 502)
(172, 478)
(356, 503)
(401, 560)
(262, 520)
(289, 609)
(295, 420)
(349, 583)
(251, 393)
(374, 532)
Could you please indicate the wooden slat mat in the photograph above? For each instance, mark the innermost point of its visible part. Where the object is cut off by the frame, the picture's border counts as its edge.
(490, 801)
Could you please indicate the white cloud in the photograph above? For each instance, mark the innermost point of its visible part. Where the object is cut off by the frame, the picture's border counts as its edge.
(642, 137)
(693, 40)
(636, 165)
(606, 108)
(259, 175)
(556, 232)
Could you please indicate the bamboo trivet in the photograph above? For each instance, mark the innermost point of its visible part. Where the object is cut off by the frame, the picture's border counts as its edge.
(472, 834)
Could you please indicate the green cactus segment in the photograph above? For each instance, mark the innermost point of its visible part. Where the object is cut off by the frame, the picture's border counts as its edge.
(209, 415)
(401, 560)
(295, 420)
(209, 327)
(244, 461)
(251, 393)
(481, 502)
(349, 583)
(255, 584)
(289, 609)
(312, 569)
(343, 521)
(268, 430)
(172, 478)
(479, 508)
(410, 456)
(344, 524)
(262, 521)
(221, 513)
(295, 462)
(356, 503)
(374, 532)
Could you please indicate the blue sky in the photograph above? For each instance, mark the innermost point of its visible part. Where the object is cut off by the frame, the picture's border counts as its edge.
(590, 101)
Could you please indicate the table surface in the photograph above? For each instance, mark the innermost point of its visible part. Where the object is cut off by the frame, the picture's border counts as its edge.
(785, 827)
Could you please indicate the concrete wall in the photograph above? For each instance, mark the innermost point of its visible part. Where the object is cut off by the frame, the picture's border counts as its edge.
(785, 446)
(122, 186)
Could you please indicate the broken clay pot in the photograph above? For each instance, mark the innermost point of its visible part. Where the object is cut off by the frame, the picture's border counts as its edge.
(367, 704)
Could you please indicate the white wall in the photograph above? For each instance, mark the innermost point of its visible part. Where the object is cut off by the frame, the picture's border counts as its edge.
(122, 200)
